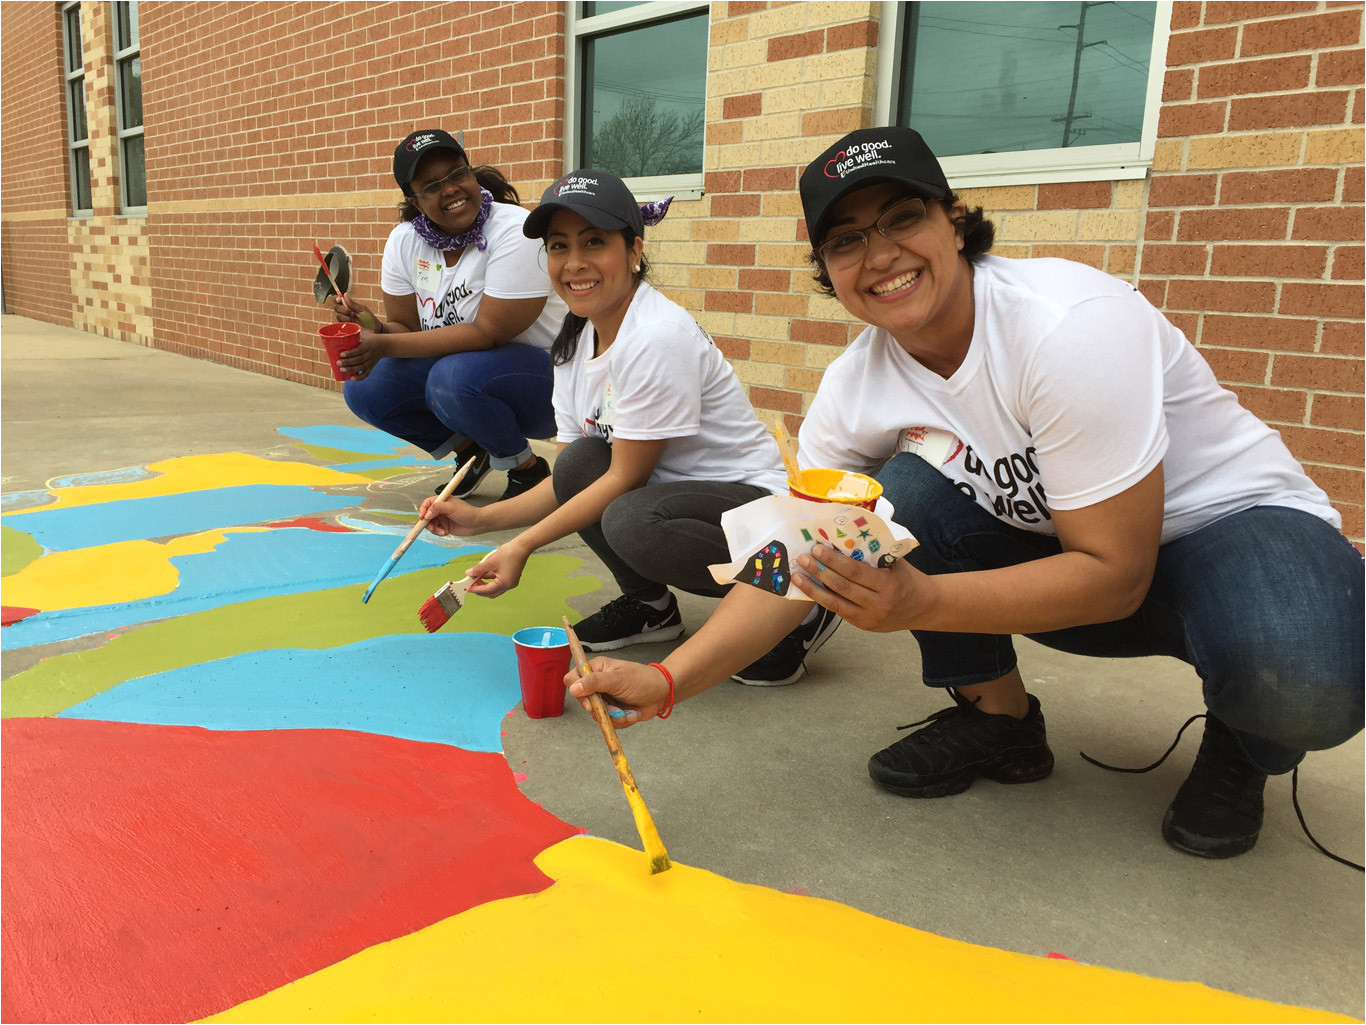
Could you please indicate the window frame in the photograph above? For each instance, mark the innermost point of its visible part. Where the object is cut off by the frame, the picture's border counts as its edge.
(1113, 162)
(134, 49)
(73, 145)
(579, 30)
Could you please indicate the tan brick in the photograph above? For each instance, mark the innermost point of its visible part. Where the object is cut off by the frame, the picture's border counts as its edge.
(1169, 155)
(1034, 227)
(845, 64)
(799, 98)
(763, 374)
(755, 327)
(728, 83)
(725, 133)
(1339, 146)
(1270, 149)
(1120, 225)
(791, 151)
(762, 229)
(845, 93)
(1129, 194)
(782, 204)
(1092, 256)
(715, 230)
(832, 13)
(788, 353)
(838, 121)
(785, 304)
(773, 126)
(745, 155)
(781, 20)
(818, 357)
(715, 323)
(1000, 197)
(788, 257)
(1121, 260)
(803, 379)
(732, 31)
(746, 54)
(1323, 300)
(713, 277)
(1268, 261)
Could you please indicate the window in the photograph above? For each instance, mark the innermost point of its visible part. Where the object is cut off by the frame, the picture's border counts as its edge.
(128, 100)
(1016, 93)
(78, 135)
(637, 81)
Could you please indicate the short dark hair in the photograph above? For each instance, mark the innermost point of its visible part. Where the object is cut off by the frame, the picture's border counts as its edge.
(488, 177)
(979, 234)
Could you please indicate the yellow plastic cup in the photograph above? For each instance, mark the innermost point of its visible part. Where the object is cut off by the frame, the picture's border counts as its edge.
(815, 486)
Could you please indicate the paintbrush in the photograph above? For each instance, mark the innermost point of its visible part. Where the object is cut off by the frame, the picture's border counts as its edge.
(366, 321)
(645, 826)
(788, 447)
(440, 607)
(417, 529)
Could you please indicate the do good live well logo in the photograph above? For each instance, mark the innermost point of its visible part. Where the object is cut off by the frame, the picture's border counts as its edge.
(857, 157)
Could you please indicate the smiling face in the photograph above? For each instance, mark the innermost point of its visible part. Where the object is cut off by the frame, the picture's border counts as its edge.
(918, 288)
(592, 270)
(456, 204)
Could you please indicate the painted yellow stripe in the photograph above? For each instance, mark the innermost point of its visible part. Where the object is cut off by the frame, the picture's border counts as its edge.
(610, 942)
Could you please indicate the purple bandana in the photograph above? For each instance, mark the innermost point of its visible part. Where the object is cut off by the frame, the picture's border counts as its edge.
(438, 239)
(653, 213)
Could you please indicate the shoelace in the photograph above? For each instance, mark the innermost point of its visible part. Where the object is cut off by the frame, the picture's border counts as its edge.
(960, 705)
(1294, 788)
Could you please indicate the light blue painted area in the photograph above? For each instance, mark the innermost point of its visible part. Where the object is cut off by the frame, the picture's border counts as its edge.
(348, 439)
(246, 567)
(441, 688)
(133, 519)
(25, 499)
(125, 476)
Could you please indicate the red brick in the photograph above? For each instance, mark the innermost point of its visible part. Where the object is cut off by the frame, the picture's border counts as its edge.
(1306, 185)
(1220, 11)
(1331, 223)
(773, 398)
(1224, 296)
(733, 348)
(1317, 32)
(765, 280)
(819, 331)
(738, 7)
(1316, 373)
(1178, 85)
(1092, 256)
(748, 105)
(1075, 196)
(721, 181)
(1318, 445)
(1274, 75)
(1345, 412)
(1185, 14)
(1182, 190)
(1354, 184)
(1269, 261)
(1237, 365)
(1187, 323)
(793, 423)
(743, 204)
(1293, 111)
(1154, 290)
(1178, 119)
(1340, 483)
(719, 255)
(1174, 259)
(1273, 405)
(770, 179)
(1274, 334)
(1221, 225)
(728, 301)
(847, 37)
(1201, 46)
(1323, 300)
(798, 44)
(1349, 263)
(1159, 225)
(1341, 339)
(1340, 67)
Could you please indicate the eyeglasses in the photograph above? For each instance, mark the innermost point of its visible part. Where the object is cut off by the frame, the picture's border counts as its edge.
(847, 246)
(454, 178)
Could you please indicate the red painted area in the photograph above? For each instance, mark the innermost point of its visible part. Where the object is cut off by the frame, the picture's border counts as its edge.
(13, 613)
(313, 523)
(1059, 957)
(165, 873)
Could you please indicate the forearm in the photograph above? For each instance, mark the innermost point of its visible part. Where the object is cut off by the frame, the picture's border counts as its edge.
(744, 627)
(522, 511)
(583, 510)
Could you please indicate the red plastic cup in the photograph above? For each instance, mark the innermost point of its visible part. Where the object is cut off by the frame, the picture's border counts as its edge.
(337, 338)
(542, 661)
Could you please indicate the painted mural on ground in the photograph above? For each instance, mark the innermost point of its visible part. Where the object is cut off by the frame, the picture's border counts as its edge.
(233, 792)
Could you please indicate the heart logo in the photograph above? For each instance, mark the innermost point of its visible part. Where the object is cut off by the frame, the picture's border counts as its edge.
(837, 158)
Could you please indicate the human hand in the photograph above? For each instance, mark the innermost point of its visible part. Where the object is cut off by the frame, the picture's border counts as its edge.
(345, 308)
(632, 692)
(370, 349)
(453, 516)
(869, 597)
(500, 570)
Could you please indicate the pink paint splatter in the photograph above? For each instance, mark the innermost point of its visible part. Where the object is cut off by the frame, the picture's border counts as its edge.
(519, 777)
(312, 523)
(1058, 957)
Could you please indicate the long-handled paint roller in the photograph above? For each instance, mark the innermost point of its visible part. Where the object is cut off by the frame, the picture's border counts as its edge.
(417, 529)
(645, 826)
(366, 320)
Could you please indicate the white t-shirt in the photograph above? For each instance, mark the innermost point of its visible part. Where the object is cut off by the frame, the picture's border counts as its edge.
(664, 378)
(508, 268)
(1074, 388)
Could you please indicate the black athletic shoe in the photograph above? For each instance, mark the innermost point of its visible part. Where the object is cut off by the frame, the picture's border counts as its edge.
(525, 480)
(477, 472)
(628, 620)
(960, 744)
(1217, 812)
(787, 661)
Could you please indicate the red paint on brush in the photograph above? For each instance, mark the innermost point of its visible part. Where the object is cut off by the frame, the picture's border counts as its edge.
(13, 613)
(313, 523)
(165, 873)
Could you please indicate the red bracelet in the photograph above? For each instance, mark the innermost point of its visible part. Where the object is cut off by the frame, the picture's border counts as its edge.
(668, 708)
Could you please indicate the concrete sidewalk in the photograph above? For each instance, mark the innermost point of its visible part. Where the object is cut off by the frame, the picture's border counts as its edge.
(769, 786)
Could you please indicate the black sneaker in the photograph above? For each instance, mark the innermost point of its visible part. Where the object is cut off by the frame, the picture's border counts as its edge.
(960, 744)
(628, 620)
(1217, 812)
(524, 480)
(477, 472)
(787, 661)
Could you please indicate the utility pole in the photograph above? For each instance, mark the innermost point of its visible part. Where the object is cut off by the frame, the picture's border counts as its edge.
(1080, 26)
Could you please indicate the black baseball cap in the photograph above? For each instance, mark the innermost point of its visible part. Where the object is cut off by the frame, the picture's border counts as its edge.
(411, 150)
(867, 157)
(599, 197)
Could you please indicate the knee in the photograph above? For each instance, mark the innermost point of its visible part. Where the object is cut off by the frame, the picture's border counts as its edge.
(629, 526)
(360, 398)
(578, 465)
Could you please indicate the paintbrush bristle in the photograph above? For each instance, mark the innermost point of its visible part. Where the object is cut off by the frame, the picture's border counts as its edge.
(440, 607)
(660, 864)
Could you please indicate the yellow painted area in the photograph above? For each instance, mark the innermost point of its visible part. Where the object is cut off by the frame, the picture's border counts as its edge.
(610, 942)
(106, 574)
(200, 473)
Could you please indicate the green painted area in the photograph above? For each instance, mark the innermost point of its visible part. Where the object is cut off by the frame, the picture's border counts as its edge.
(336, 455)
(317, 619)
(17, 550)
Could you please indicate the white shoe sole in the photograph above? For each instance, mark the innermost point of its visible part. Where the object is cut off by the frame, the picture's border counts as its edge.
(664, 633)
(816, 643)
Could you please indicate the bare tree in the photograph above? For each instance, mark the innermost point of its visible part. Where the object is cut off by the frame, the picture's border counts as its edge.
(640, 140)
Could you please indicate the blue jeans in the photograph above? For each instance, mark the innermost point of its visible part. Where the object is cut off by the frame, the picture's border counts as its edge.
(496, 397)
(1265, 604)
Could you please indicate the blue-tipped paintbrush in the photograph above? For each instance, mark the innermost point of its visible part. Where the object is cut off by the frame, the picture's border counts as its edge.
(417, 529)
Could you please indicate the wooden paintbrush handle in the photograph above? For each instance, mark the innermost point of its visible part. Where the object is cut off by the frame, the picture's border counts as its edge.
(421, 524)
(600, 715)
